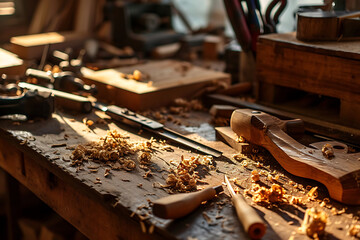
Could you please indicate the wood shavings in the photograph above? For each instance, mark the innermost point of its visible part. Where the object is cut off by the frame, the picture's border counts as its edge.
(114, 150)
(184, 177)
(238, 157)
(107, 172)
(208, 219)
(334, 211)
(275, 194)
(88, 122)
(147, 174)
(354, 230)
(296, 200)
(314, 223)
(58, 145)
(255, 176)
(240, 139)
(312, 194)
(328, 151)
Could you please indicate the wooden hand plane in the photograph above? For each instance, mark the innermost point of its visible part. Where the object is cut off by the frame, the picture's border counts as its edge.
(339, 171)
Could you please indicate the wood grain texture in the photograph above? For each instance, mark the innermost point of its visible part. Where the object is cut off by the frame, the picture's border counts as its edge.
(32, 46)
(168, 81)
(304, 69)
(340, 174)
(48, 173)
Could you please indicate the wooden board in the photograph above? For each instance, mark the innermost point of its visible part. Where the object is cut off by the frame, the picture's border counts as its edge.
(168, 81)
(32, 46)
(330, 69)
(11, 64)
(103, 211)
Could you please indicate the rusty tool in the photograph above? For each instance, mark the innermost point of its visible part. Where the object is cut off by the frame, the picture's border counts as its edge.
(131, 118)
(326, 162)
(64, 81)
(180, 205)
(251, 221)
(32, 104)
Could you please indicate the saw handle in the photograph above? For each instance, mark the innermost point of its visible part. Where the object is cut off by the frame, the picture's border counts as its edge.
(179, 205)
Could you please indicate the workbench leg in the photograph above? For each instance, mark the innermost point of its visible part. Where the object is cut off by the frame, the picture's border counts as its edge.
(12, 204)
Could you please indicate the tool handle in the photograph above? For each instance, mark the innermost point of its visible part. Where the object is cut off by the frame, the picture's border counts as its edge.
(251, 221)
(179, 205)
(11, 105)
(39, 74)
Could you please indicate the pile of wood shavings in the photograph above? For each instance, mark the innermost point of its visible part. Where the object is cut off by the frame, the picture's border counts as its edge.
(275, 194)
(185, 176)
(115, 150)
(314, 223)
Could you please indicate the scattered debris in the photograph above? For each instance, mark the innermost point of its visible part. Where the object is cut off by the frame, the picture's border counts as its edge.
(58, 145)
(114, 150)
(184, 177)
(314, 223)
(275, 194)
(354, 230)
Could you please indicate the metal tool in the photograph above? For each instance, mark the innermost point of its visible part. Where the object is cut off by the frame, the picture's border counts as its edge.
(238, 22)
(180, 205)
(128, 117)
(252, 223)
(273, 21)
(32, 104)
(64, 81)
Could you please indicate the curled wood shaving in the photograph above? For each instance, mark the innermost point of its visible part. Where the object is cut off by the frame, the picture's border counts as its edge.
(184, 177)
(114, 149)
(275, 194)
(314, 223)
(354, 230)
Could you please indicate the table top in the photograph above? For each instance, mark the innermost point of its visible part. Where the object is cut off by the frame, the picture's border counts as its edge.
(128, 194)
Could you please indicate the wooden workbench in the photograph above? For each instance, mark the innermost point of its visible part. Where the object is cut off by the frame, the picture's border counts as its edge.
(37, 154)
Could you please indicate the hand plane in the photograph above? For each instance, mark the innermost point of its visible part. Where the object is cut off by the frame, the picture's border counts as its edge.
(32, 104)
(326, 162)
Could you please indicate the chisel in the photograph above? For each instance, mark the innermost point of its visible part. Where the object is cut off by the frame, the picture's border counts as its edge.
(180, 205)
(252, 223)
(128, 117)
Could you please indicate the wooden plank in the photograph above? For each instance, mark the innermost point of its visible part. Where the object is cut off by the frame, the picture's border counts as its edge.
(314, 125)
(349, 49)
(167, 80)
(32, 46)
(11, 64)
(35, 140)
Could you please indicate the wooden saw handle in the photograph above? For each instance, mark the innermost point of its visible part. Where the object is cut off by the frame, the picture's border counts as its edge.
(340, 174)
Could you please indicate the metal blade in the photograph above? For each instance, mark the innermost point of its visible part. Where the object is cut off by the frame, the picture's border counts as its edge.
(230, 188)
(178, 138)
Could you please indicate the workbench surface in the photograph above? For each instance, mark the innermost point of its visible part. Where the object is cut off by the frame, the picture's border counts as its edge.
(38, 153)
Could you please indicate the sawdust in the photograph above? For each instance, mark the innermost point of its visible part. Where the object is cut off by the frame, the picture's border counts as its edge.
(184, 177)
(114, 150)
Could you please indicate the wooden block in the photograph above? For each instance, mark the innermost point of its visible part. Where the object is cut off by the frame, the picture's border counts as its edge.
(32, 46)
(327, 68)
(211, 47)
(168, 80)
(11, 64)
(228, 136)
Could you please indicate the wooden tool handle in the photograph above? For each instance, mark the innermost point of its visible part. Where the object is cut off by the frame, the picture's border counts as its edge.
(252, 223)
(179, 205)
